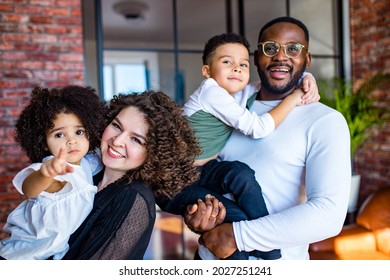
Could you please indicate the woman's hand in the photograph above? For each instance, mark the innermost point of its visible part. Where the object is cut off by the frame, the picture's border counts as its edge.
(204, 216)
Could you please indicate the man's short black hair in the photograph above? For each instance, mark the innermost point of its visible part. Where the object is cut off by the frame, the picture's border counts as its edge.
(226, 38)
(292, 20)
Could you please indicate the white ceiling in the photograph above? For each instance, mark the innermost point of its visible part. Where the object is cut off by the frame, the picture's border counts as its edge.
(197, 21)
(118, 28)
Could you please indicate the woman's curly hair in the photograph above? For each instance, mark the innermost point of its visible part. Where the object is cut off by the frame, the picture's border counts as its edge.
(171, 143)
(45, 104)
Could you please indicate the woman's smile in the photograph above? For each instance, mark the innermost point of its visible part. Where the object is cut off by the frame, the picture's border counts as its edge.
(113, 153)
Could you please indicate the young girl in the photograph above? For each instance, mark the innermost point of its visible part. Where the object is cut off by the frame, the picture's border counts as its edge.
(148, 150)
(59, 130)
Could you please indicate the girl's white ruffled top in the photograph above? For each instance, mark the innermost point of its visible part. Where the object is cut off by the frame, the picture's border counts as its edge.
(40, 227)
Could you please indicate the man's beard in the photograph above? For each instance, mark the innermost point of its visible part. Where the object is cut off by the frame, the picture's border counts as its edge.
(280, 90)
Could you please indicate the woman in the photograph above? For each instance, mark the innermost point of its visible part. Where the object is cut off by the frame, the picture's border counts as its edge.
(148, 150)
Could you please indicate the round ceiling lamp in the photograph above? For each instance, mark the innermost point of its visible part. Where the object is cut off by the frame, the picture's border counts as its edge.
(130, 10)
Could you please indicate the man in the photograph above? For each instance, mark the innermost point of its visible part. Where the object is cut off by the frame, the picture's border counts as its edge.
(304, 167)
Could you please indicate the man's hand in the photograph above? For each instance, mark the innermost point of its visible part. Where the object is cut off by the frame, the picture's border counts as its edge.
(204, 216)
(220, 240)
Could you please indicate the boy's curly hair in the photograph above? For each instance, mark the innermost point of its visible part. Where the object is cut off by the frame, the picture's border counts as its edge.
(218, 40)
(171, 144)
(45, 104)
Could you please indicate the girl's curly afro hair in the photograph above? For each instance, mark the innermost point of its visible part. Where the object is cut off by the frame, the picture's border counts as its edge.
(171, 144)
(45, 104)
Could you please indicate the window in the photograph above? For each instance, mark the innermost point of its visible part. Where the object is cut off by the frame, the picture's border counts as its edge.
(127, 72)
(175, 31)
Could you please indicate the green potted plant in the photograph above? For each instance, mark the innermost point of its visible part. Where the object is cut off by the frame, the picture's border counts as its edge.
(360, 112)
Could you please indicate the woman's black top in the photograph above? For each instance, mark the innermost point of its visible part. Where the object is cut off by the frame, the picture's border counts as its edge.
(119, 226)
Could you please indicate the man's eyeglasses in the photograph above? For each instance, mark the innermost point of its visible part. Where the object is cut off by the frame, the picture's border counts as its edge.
(270, 49)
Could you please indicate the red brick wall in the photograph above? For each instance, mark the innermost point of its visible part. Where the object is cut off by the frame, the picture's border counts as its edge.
(41, 44)
(370, 40)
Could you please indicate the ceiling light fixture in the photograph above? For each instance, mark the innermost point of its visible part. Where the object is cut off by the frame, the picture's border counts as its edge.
(130, 10)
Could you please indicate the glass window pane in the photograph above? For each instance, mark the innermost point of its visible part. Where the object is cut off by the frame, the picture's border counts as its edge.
(130, 78)
(320, 19)
(140, 70)
(253, 21)
(323, 68)
(207, 18)
(191, 69)
(166, 68)
(108, 82)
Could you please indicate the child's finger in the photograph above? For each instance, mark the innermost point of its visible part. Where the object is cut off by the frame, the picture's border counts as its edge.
(310, 97)
(44, 171)
(68, 169)
(62, 153)
(221, 214)
(305, 86)
(191, 209)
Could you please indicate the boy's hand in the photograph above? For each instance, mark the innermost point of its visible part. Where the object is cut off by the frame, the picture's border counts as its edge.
(56, 166)
(296, 97)
(204, 216)
(309, 87)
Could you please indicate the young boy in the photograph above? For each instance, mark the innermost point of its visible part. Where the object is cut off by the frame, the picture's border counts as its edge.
(213, 113)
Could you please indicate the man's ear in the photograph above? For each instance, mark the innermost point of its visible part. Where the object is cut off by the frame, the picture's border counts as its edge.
(308, 60)
(256, 57)
(206, 71)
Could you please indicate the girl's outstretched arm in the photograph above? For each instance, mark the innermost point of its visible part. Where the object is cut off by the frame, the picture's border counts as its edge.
(43, 179)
